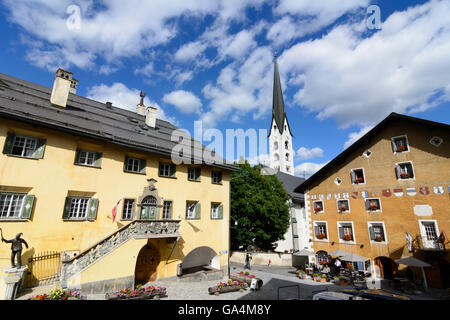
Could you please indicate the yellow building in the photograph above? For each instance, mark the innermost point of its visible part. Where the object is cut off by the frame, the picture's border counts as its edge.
(68, 161)
(393, 181)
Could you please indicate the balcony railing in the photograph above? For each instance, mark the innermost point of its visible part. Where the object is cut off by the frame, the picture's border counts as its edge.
(138, 229)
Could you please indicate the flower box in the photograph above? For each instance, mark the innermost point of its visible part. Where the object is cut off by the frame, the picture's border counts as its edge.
(343, 209)
(379, 239)
(405, 175)
(373, 207)
(401, 148)
(229, 286)
(59, 294)
(321, 236)
(317, 209)
(347, 237)
(358, 180)
(140, 293)
(247, 278)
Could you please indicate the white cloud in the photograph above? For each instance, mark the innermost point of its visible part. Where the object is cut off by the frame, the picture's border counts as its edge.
(305, 153)
(359, 81)
(185, 101)
(307, 169)
(123, 97)
(241, 89)
(190, 51)
(308, 16)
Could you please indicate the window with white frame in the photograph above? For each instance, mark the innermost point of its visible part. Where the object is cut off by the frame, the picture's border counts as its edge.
(343, 206)
(400, 144)
(373, 205)
(167, 209)
(134, 165)
(192, 210)
(320, 230)
(430, 230)
(216, 211)
(167, 169)
(357, 176)
(345, 232)
(429, 233)
(11, 205)
(404, 170)
(78, 208)
(128, 208)
(377, 232)
(88, 158)
(194, 173)
(318, 206)
(24, 146)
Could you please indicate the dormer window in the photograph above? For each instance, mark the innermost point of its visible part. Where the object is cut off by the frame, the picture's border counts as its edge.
(404, 171)
(286, 145)
(400, 144)
(357, 176)
(287, 156)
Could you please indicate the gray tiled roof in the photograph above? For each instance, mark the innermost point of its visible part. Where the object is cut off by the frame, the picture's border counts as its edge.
(290, 182)
(29, 102)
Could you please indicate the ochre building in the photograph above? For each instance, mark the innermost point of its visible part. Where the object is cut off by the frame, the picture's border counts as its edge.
(69, 161)
(386, 197)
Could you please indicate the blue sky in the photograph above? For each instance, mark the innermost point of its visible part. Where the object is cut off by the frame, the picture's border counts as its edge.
(212, 60)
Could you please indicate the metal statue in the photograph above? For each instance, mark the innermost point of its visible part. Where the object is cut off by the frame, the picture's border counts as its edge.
(16, 249)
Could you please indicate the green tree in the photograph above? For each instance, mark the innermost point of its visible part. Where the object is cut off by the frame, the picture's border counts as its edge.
(259, 205)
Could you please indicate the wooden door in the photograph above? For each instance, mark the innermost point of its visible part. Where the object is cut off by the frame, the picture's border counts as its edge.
(147, 264)
(149, 212)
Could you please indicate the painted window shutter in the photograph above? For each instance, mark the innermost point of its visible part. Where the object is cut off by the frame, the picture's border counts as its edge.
(394, 146)
(98, 159)
(221, 211)
(172, 170)
(316, 230)
(142, 165)
(7, 148)
(92, 209)
(66, 208)
(77, 156)
(125, 164)
(341, 232)
(398, 171)
(197, 210)
(39, 152)
(197, 173)
(353, 176)
(27, 206)
(372, 235)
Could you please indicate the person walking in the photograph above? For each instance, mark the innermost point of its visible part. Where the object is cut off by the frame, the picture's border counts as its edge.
(248, 258)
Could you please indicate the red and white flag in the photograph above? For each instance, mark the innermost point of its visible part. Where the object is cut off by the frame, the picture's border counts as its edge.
(114, 211)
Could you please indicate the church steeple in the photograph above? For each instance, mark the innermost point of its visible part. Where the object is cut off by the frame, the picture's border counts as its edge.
(280, 137)
(278, 112)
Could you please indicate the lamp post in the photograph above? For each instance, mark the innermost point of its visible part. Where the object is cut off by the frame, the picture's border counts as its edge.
(229, 245)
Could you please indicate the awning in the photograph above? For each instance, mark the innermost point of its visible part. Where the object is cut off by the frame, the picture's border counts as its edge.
(348, 256)
(353, 257)
(339, 253)
(304, 253)
(412, 262)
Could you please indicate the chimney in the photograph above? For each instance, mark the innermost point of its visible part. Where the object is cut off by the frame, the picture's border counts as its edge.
(150, 118)
(140, 108)
(64, 83)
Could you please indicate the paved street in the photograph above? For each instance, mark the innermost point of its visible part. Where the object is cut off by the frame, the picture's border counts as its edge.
(280, 283)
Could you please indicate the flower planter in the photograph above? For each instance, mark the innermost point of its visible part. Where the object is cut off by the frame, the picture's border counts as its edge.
(247, 279)
(216, 290)
(323, 280)
(146, 293)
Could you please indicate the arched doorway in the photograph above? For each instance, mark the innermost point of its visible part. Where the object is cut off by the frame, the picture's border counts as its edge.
(146, 264)
(201, 258)
(149, 208)
(385, 268)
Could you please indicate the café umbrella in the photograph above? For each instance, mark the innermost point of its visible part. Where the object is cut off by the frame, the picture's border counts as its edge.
(413, 262)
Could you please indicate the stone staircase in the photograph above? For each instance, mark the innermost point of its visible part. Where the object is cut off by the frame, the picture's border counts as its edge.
(138, 229)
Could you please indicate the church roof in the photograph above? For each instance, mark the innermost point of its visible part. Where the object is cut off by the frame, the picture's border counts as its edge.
(278, 110)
